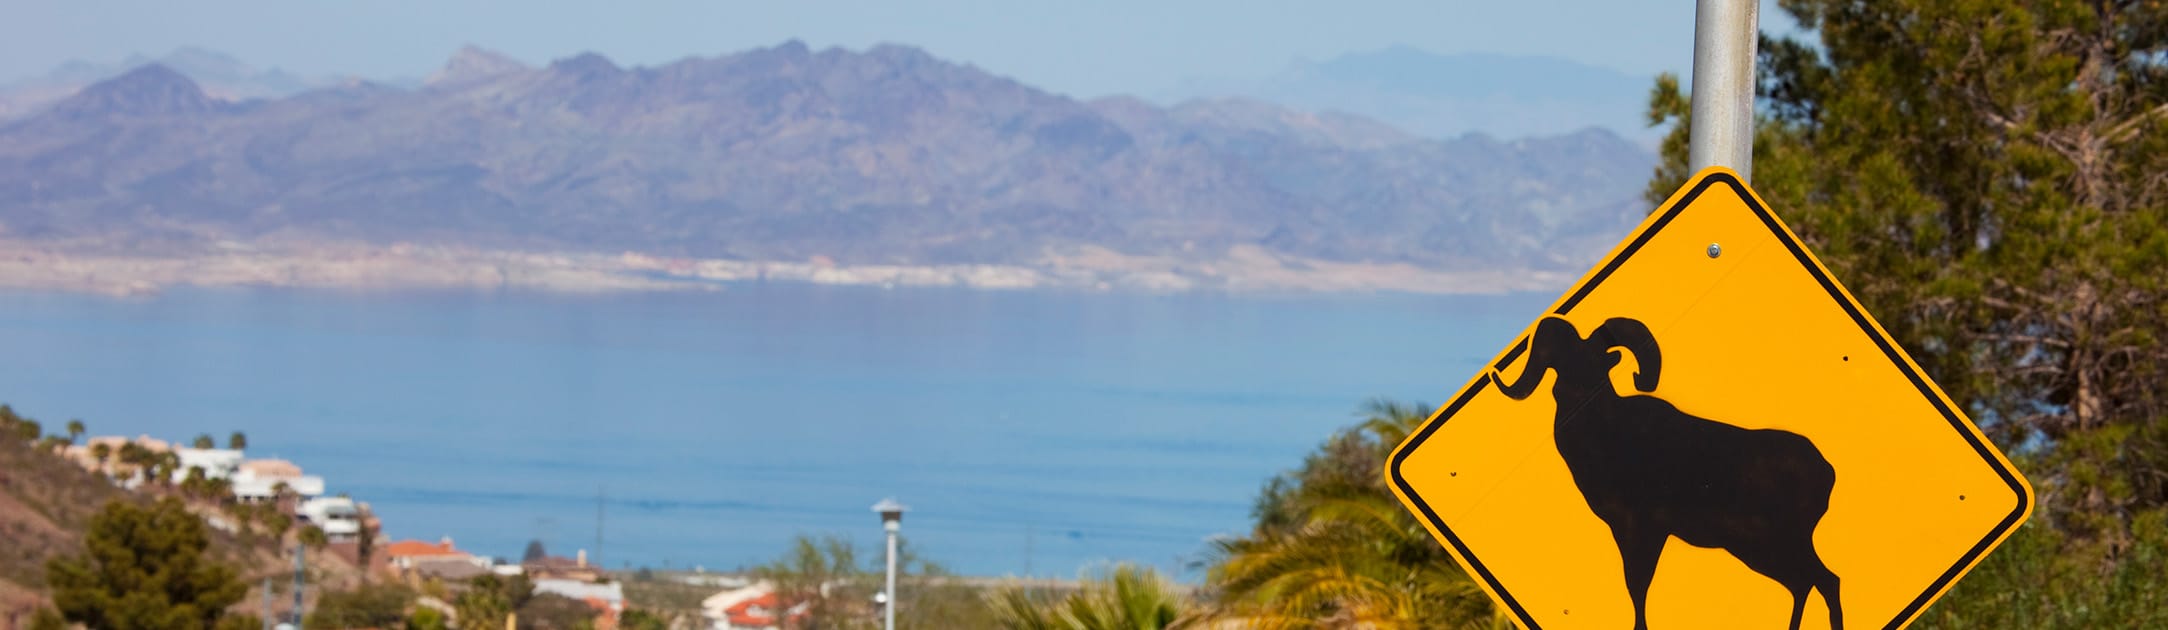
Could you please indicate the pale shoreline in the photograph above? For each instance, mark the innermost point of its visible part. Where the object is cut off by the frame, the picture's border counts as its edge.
(56, 267)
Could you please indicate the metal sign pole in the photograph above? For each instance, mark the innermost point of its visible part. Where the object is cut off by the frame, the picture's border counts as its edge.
(1722, 126)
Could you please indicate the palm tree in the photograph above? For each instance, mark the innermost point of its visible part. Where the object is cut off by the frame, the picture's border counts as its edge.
(75, 430)
(101, 452)
(1127, 597)
(192, 483)
(163, 465)
(237, 441)
(203, 440)
(134, 457)
(1359, 561)
(1334, 549)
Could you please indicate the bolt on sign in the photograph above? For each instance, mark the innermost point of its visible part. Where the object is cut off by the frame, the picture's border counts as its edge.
(1707, 431)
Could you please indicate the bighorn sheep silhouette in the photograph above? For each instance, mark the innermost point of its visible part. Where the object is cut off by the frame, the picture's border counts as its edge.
(1651, 471)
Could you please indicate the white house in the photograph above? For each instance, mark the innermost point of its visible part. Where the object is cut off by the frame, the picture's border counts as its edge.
(258, 479)
(337, 516)
(217, 463)
(611, 594)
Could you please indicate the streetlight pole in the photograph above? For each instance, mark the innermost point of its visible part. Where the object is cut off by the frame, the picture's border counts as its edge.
(891, 522)
(1721, 128)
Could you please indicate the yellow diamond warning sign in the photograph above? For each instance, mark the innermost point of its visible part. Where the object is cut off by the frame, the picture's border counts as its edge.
(1708, 432)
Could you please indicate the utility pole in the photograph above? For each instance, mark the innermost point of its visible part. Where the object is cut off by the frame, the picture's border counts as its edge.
(1721, 129)
(300, 570)
(601, 497)
(267, 618)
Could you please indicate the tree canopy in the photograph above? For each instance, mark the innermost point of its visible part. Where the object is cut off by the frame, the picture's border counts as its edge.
(1122, 597)
(1987, 177)
(368, 606)
(1333, 548)
(144, 568)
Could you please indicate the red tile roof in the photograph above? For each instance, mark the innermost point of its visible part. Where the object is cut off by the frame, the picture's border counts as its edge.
(745, 614)
(417, 549)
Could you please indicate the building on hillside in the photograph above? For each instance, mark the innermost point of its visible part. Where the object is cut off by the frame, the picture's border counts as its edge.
(339, 517)
(762, 613)
(606, 598)
(274, 468)
(123, 473)
(438, 559)
(403, 554)
(575, 568)
(449, 570)
(717, 608)
(258, 480)
(754, 606)
(217, 463)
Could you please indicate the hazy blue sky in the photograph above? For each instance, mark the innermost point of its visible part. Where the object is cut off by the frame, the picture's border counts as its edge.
(1077, 47)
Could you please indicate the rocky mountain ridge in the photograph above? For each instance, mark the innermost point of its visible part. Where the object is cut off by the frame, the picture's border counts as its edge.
(886, 156)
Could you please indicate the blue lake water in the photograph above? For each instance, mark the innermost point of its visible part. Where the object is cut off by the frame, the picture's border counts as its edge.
(1042, 429)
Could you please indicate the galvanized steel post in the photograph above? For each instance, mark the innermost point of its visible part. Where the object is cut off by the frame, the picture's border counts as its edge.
(1722, 125)
(891, 522)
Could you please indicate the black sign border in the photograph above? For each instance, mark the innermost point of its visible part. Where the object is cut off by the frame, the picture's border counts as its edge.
(1889, 350)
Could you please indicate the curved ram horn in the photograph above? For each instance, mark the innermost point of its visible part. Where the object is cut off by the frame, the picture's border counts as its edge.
(1634, 336)
(1554, 339)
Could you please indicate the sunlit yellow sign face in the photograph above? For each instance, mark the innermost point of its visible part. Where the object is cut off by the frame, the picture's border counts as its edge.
(1707, 431)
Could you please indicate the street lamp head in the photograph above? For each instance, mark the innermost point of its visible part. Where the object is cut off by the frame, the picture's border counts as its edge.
(891, 512)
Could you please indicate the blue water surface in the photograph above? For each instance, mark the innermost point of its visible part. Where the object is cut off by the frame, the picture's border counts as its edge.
(1035, 431)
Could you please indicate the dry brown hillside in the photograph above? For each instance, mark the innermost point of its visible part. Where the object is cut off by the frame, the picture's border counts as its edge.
(46, 503)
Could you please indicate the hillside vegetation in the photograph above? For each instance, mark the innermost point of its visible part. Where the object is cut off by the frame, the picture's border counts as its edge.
(45, 504)
(48, 503)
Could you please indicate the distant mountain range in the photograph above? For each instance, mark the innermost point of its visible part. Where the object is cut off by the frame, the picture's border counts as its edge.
(885, 156)
(1443, 96)
(221, 76)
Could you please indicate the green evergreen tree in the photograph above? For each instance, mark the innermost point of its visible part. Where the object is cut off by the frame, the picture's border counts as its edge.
(489, 599)
(640, 619)
(426, 618)
(242, 621)
(370, 606)
(1987, 177)
(47, 619)
(144, 568)
(550, 611)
